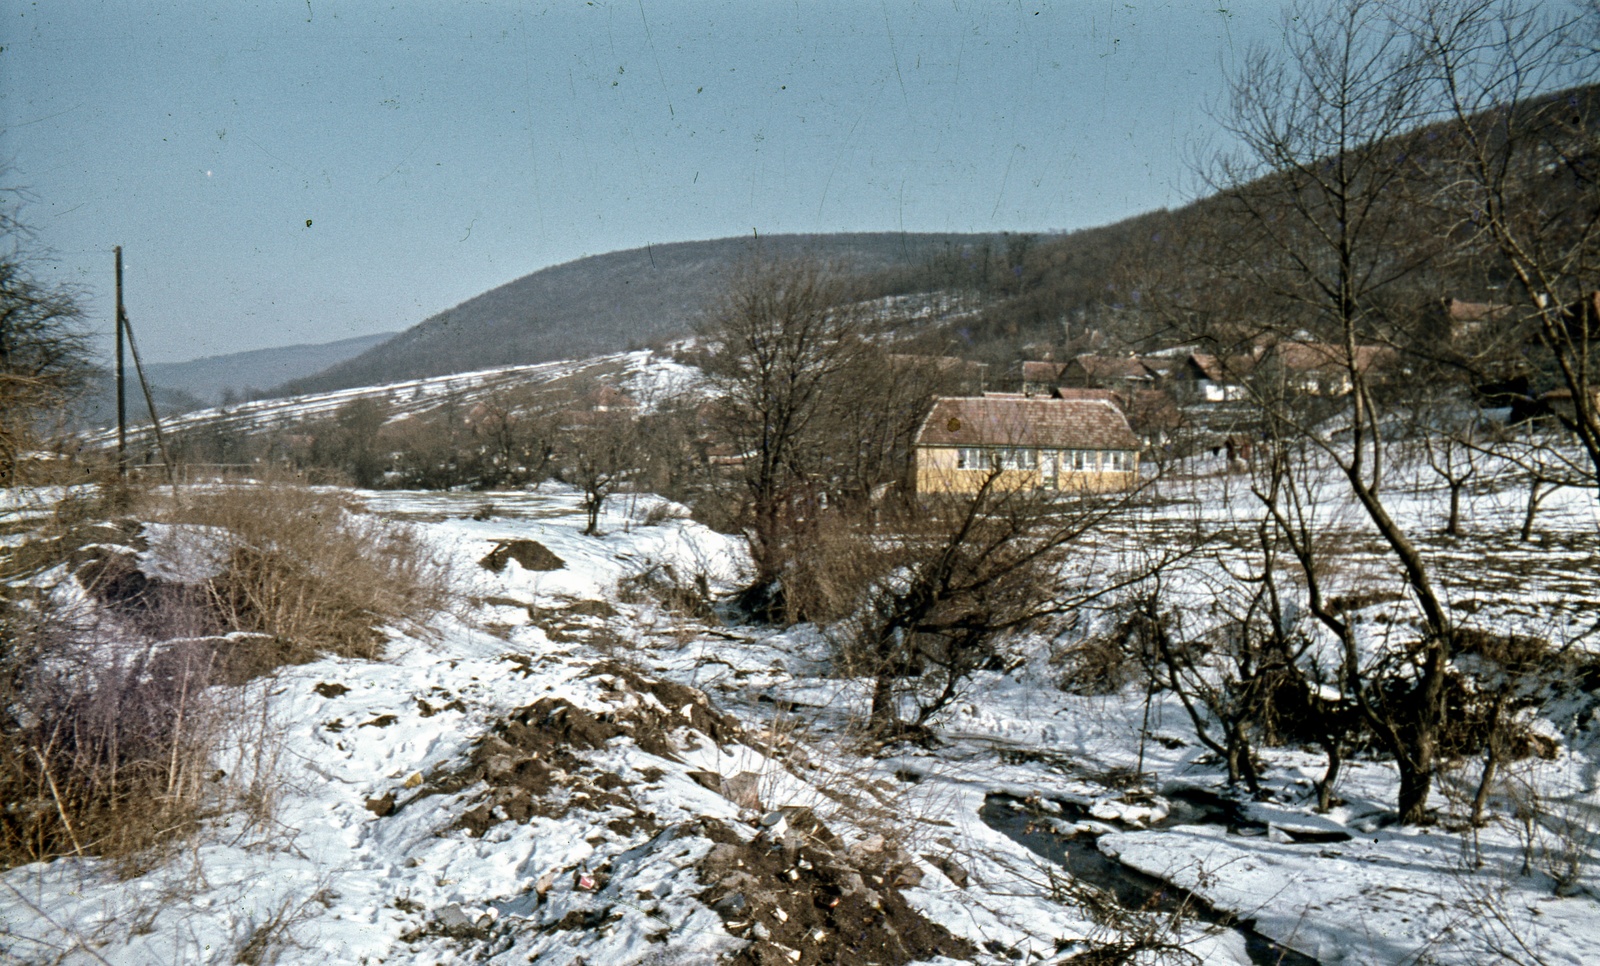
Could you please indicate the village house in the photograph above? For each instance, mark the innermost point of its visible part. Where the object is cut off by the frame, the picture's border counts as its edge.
(1122, 374)
(1454, 318)
(1090, 371)
(1034, 443)
(1038, 378)
(1207, 378)
(1308, 368)
(1324, 368)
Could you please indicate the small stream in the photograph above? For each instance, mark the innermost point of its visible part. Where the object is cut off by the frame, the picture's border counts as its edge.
(1080, 855)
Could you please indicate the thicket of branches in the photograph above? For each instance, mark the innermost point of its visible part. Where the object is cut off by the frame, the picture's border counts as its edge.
(43, 349)
(1388, 155)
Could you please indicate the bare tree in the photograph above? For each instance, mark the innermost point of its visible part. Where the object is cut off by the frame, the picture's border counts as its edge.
(1335, 224)
(781, 338)
(597, 452)
(43, 352)
(350, 443)
(1534, 452)
(877, 407)
(1519, 175)
(515, 433)
(1449, 429)
(953, 579)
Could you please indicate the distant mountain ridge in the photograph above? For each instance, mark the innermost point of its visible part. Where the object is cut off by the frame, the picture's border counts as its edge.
(604, 303)
(208, 378)
(179, 387)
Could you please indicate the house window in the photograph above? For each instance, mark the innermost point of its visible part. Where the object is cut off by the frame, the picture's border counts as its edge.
(1018, 459)
(1049, 464)
(1082, 460)
(973, 458)
(1114, 462)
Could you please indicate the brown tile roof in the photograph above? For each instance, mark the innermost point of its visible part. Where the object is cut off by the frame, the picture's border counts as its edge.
(1113, 367)
(1222, 369)
(1036, 422)
(1462, 311)
(1042, 372)
(1312, 356)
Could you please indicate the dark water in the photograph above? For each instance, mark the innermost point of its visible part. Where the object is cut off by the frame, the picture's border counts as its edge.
(1080, 855)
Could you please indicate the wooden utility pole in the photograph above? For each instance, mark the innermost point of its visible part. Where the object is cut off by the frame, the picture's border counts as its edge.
(122, 399)
(125, 334)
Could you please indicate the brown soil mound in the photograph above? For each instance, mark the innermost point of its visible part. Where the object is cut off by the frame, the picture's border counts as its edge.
(531, 554)
(800, 897)
(685, 706)
(533, 762)
(531, 769)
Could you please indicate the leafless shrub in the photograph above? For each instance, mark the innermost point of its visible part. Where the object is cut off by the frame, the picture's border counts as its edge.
(1555, 836)
(104, 746)
(1099, 664)
(103, 749)
(111, 730)
(270, 937)
(957, 579)
(1511, 933)
(661, 512)
(1123, 936)
(829, 580)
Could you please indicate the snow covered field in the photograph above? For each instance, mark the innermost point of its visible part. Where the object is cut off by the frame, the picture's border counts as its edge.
(529, 778)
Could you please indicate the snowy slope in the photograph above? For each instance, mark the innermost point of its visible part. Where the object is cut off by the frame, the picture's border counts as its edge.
(400, 837)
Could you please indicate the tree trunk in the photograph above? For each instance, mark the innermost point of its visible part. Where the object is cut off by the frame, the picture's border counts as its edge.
(1453, 528)
(1534, 499)
(1329, 777)
(1491, 760)
(885, 709)
(1416, 781)
(1416, 735)
(1241, 762)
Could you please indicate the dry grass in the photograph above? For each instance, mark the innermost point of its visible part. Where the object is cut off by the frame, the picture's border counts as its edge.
(111, 722)
(836, 562)
(307, 570)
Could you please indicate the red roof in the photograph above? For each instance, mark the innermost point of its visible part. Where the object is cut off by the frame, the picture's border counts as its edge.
(1042, 372)
(1113, 367)
(1222, 369)
(1312, 356)
(1036, 423)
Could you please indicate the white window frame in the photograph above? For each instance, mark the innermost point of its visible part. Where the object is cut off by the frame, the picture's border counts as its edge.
(974, 458)
(1018, 458)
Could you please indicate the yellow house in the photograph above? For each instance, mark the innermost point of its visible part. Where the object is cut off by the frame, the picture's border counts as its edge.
(1035, 443)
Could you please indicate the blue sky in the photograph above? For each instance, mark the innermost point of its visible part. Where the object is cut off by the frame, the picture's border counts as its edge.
(440, 149)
